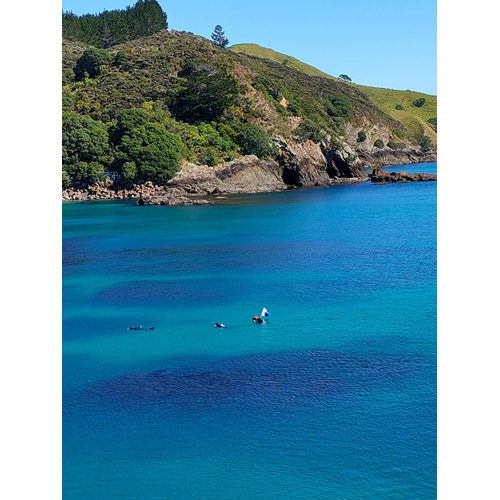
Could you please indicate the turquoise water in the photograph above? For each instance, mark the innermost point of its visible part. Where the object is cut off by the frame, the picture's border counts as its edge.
(334, 397)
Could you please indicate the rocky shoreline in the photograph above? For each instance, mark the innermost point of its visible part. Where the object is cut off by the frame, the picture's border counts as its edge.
(380, 176)
(307, 164)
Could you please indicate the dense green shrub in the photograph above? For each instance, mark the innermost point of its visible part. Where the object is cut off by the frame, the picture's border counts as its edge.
(90, 62)
(209, 156)
(121, 58)
(255, 141)
(85, 174)
(399, 107)
(66, 180)
(423, 141)
(310, 129)
(361, 136)
(419, 102)
(156, 153)
(269, 87)
(396, 145)
(86, 151)
(337, 106)
(205, 91)
(129, 171)
(281, 109)
(378, 143)
(140, 136)
(128, 119)
(294, 107)
(68, 99)
(84, 140)
(433, 123)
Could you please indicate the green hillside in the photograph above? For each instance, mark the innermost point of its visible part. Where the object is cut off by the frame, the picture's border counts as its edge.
(413, 118)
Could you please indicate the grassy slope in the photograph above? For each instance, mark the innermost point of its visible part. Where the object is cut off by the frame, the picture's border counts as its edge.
(414, 119)
(256, 50)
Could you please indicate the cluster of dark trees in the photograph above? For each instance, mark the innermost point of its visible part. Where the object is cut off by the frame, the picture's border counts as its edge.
(150, 145)
(109, 28)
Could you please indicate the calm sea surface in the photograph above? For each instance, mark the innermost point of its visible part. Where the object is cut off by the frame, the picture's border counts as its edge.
(333, 398)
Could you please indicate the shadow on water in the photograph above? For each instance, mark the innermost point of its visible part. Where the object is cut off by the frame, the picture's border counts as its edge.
(269, 379)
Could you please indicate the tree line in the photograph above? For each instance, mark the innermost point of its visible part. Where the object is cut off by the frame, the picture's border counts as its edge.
(109, 28)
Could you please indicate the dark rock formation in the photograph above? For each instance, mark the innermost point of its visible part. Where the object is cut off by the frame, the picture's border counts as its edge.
(303, 165)
(381, 176)
(343, 162)
(383, 157)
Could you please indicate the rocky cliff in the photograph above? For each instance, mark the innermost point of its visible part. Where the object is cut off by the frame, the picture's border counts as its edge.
(307, 164)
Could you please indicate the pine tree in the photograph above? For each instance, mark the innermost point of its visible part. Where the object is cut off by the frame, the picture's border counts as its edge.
(71, 26)
(218, 37)
(109, 28)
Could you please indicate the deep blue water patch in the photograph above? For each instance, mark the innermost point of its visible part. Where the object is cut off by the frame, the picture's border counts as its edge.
(297, 378)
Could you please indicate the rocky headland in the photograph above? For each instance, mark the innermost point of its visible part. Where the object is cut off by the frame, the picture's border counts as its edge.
(300, 164)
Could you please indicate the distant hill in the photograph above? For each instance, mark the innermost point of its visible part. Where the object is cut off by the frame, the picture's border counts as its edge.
(413, 118)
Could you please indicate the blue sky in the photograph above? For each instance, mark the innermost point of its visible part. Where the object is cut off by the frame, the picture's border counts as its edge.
(384, 43)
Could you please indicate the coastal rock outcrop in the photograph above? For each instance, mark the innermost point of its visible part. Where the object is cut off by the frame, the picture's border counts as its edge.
(387, 156)
(303, 164)
(172, 200)
(342, 162)
(381, 176)
(311, 164)
(247, 174)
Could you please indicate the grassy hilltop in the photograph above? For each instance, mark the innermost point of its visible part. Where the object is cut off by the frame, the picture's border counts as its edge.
(256, 50)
